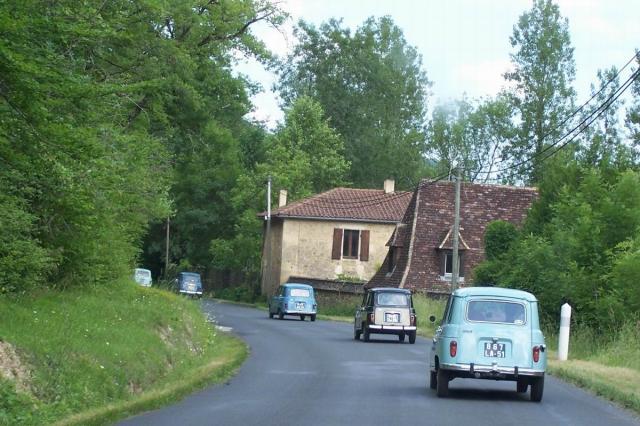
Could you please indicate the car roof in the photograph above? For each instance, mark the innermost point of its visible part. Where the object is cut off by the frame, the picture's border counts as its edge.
(189, 273)
(495, 292)
(390, 289)
(298, 285)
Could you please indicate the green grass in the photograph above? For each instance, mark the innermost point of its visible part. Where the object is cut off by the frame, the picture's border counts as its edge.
(96, 354)
(425, 307)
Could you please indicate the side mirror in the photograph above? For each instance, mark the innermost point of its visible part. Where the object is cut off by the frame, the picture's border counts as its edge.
(432, 318)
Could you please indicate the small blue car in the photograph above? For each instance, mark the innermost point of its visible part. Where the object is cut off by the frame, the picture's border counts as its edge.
(189, 283)
(489, 333)
(142, 276)
(294, 299)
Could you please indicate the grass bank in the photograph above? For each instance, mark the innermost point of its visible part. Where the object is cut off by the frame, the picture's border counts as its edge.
(93, 355)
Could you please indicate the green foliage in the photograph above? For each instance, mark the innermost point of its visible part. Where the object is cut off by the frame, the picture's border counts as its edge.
(304, 156)
(498, 238)
(89, 348)
(238, 294)
(542, 94)
(373, 90)
(584, 249)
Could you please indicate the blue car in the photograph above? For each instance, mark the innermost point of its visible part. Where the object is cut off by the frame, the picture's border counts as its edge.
(189, 283)
(294, 299)
(489, 333)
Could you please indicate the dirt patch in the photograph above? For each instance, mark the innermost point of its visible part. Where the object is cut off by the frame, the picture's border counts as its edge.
(12, 368)
(166, 334)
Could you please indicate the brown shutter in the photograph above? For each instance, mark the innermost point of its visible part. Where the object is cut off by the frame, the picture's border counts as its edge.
(336, 252)
(364, 245)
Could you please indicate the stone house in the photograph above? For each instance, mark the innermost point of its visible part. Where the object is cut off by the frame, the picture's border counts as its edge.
(419, 253)
(338, 235)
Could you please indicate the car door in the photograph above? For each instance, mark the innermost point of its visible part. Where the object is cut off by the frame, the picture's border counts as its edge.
(360, 311)
(435, 346)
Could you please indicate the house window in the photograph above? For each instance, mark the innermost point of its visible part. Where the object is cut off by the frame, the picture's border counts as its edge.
(350, 244)
(447, 264)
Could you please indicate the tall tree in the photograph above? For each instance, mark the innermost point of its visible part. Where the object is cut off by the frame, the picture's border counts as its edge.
(470, 135)
(543, 70)
(304, 156)
(632, 119)
(372, 88)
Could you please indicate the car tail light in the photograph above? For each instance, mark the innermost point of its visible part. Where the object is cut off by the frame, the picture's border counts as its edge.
(453, 348)
(536, 353)
(372, 318)
(413, 319)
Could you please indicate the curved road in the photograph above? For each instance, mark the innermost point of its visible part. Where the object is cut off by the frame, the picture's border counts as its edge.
(304, 373)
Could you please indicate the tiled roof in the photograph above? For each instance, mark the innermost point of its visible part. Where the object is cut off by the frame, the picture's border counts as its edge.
(349, 204)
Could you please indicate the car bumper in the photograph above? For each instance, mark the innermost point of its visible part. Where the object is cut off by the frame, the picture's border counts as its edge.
(298, 312)
(491, 371)
(199, 293)
(376, 327)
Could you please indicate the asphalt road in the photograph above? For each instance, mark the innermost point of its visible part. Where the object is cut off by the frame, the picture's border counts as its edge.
(304, 373)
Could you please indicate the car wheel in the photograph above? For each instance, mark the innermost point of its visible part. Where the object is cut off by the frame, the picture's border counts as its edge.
(522, 385)
(313, 317)
(442, 383)
(412, 337)
(356, 333)
(301, 317)
(366, 334)
(433, 379)
(280, 314)
(537, 387)
(401, 337)
(270, 313)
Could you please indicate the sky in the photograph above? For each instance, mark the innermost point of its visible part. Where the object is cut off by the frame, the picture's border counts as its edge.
(464, 44)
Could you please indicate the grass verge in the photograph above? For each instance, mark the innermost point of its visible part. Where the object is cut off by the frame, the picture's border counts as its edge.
(94, 355)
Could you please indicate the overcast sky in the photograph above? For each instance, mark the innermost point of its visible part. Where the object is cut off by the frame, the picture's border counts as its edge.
(464, 43)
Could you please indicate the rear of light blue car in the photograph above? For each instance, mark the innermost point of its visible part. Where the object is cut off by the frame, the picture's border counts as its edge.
(294, 299)
(490, 333)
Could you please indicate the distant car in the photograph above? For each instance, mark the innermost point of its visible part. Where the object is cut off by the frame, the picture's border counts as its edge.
(386, 311)
(142, 277)
(189, 283)
(489, 333)
(294, 299)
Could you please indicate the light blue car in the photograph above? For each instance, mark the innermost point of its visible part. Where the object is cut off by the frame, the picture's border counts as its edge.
(489, 333)
(294, 299)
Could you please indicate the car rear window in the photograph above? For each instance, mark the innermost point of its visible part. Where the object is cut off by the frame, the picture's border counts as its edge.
(496, 311)
(299, 292)
(392, 299)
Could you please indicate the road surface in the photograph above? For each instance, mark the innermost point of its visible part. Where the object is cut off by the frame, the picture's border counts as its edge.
(314, 373)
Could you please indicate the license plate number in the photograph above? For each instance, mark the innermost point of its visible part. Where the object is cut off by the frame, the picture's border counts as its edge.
(299, 305)
(392, 317)
(494, 350)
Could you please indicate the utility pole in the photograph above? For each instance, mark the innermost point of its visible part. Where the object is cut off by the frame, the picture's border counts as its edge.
(266, 252)
(456, 231)
(166, 253)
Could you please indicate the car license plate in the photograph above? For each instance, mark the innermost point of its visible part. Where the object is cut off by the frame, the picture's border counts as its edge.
(494, 350)
(299, 305)
(394, 317)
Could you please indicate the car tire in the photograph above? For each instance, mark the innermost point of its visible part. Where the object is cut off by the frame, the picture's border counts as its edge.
(356, 333)
(313, 317)
(433, 379)
(412, 337)
(366, 334)
(522, 385)
(401, 337)
(270, 313)
(280, 314)
(537, 388)
(442, 383)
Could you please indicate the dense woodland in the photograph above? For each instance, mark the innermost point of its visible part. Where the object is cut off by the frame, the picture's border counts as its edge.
(116, 116)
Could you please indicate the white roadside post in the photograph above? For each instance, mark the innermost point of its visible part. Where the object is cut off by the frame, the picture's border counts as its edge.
(563, 338)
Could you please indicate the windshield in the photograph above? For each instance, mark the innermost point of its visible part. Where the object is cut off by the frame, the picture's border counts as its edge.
(299, 292)
(143, 273)
(496, 311)
(392, 299)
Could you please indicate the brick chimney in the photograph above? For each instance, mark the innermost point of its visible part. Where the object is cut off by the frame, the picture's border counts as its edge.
(282, 198)
(389, 186)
